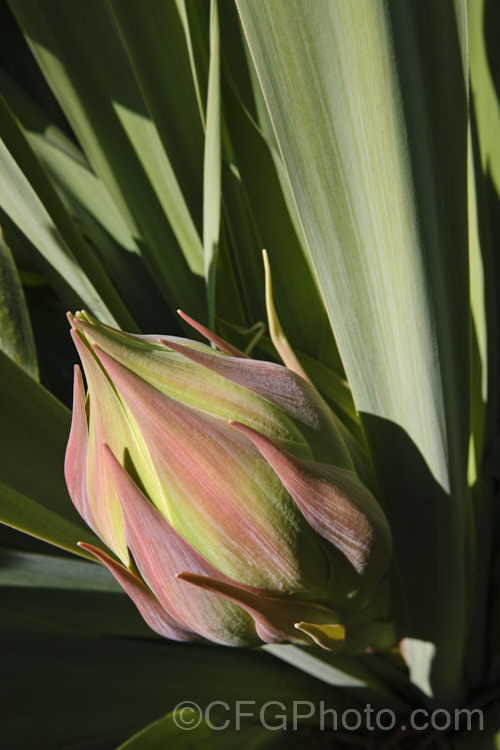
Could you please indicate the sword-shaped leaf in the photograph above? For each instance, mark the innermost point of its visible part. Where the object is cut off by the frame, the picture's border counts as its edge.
(369, 106)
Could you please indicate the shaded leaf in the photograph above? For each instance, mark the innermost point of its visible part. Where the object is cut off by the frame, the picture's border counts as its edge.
(16, 336)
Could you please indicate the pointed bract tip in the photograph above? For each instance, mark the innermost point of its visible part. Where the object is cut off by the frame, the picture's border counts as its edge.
(179, 348)
(251, 434)
(169, 345)
(81, 316)
(242, 427)
(220, 343)
(78, 337)
(78, 386)
(91, 549)
(103, 357)
(114, 465)
(109, 453)
(329, 637)
(76, 319)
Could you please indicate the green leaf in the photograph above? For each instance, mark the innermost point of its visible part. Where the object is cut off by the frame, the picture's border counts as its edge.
(35, 518)
(65, 163)
(29, 199)
(26, 569)
(33, 495)
(240, 233)
(164, 75)
(296, 295)
(170, 732)
(59, 594)
(369, 106)
(212, 165)
(84, 60)
(108, 688)
(16, 336)
(88, 202)
(194, 35)
(349, 673)
(485, 279)
(482, 17)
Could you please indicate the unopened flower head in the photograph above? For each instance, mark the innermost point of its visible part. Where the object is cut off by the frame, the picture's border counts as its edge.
(223, 486)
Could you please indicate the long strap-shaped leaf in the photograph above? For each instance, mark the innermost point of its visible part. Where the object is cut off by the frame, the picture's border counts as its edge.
(16, 335)
(95, 711)
(212, 165)
(369, 105)
(33, 496)
(84, 60)
(93, 211)
(485, 281)
(30, 201)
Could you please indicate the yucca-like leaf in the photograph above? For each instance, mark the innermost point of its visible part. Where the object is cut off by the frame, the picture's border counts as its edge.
(296, 293)
(16, 336)
(96, 674)
(83, 58)
(30, 201)
(33, 496)
(484, 177)
(170, 731)
(369, 108)
(92, 209)
(212, 164)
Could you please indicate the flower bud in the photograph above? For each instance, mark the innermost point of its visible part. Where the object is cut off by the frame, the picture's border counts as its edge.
(224, 487)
